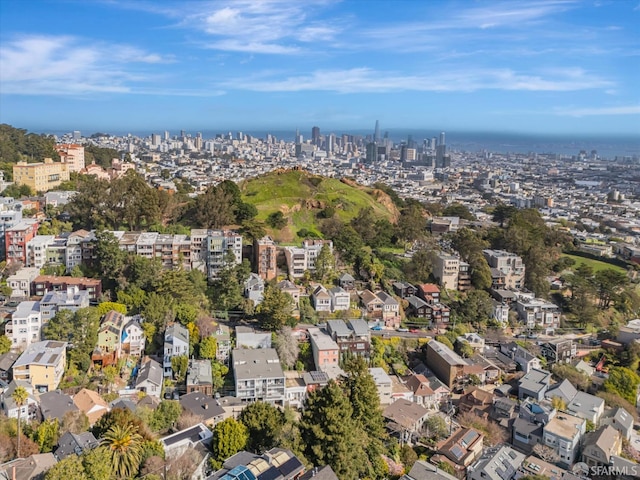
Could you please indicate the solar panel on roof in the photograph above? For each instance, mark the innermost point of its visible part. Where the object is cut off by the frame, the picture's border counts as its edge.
(469, 437)
(271, 474)
(290, 466)
(38, 357)
(457, 451)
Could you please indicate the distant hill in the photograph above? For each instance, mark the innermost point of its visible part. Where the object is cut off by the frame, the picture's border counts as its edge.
(305, 199)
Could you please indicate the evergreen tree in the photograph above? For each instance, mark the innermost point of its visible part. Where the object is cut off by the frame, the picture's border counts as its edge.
(229, 437)
(331, 435)
(264, 423)
(69, 468)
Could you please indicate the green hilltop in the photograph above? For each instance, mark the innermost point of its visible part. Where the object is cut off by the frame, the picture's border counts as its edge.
(305, 199)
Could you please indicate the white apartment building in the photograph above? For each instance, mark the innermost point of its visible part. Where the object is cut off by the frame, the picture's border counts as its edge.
(24, 327)
(20, 282)
(564, 433)
(510, 266)
(535, 312)
(301, 259)
(37, 250)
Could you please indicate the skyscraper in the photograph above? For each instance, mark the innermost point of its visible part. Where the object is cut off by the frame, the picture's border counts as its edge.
(376, 133)
(315, 136)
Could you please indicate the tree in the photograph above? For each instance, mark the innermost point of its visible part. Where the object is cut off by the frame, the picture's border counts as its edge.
(566, 371)
(408, 457)
(608, 283)
(179, 365)
(325, 263)
(444, 340)
(109, 372)
(208, 348)
(79, 329)
(214, 208)
(264, 423)
(446, 467)
(364, 224)
(5, 344)
(494, 434)
(419, 268)
(436, 428)
(97, 464)
(411, 224)
(331, 435)
(74, 421)
(20, 397)
(276, 308)
(546, 453)
(276, 220)
(229, 437)
(110, 260)
(559, 404)
(106, 307)
(47, 434)
(122, 418)
(165, 415)
(458, 210)
(502, 213)
(124, 447)
(287, 347)
(623, 382)
(69, 468)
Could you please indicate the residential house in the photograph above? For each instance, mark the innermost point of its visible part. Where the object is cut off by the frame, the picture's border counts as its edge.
(464, 276)
(429, 292)
(176, 343)
(405, 419)
(383, 384)
(20, 282)
(247, 337)
(16, 239)
(600, 446)
(476, 400)
(75, 444)
(390, 309)
(322, 473)
(29, 411)
(6, 362)
(72, 299)
(558, 350)
(91, 404)
(563, 390)
(538, 313)
(619, 419)
(497, 463)
(475, 341)
(563, 434)
(500, 313)
(73, 251)
(444, 362)
(352, 337)
(340, 299)
(503, 411)
(42, 284)
(42, 364)
(587, 406)
(258, 375)
(199, 377)
(33, 467)
(533, 466)
(254, 288)
(55, 404)
(422, 470)
(490, 371)
(276, 463)
(523, 358)
(37, 250)
(292, 290)
(203, 406)
(371, 304)
(150, 378)
(321, 299)
(326, 351)
(347, 282)
(132, 338)
(108, 348)
(223, 339)
(296, 388)
(460, 450)
(423, 394)
(193, 438)
(417, 308)
(404, 289)
(534, 384)
(23, 328)
(439, 315)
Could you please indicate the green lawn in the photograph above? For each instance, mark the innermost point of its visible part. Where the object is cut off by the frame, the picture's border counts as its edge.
(596, 265)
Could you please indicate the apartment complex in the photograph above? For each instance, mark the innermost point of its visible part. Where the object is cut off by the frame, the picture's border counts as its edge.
(24, 327)
(265, 255)
(446, 269)
(71, 154)
(258, 376)
(301, 259)
(16, 239)
(42, 176)
(507, 269)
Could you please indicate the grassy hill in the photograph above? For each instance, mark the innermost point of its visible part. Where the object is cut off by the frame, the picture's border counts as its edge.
(301, 197)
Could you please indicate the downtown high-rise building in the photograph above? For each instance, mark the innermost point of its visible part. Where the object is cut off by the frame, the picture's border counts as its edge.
(315, 136)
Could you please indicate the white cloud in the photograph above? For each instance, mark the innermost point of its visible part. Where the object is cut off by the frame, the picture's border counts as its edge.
(599, 111)
(358, 80)
(66, 65)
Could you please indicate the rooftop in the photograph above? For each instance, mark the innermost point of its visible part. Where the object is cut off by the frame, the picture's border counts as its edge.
(260, 363)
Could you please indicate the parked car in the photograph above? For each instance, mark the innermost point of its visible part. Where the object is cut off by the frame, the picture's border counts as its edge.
(402, 329)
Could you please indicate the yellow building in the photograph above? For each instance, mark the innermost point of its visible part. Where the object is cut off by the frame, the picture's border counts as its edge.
(41, 177)
(42, 364)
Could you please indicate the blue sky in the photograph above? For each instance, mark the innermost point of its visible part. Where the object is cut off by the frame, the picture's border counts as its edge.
(549, 66)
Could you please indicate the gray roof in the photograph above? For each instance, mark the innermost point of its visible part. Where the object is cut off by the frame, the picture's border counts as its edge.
(176, 331)
(564, 390)
(338, 327)
(323, 473)
(444, 352)
(24, 309)
(42, 353)
(150, 371)
(405, 413)
(386, 298)
(75, 443)
(7, 360)
(426, 471)
(260, 363)
(201, 405)
(535, 380)
(55, 404)
(359, 327)
(621, 416)
(199, 373)
(416, 302)
(585, 403)
(346, 277)
(322, 340)
(498, 463)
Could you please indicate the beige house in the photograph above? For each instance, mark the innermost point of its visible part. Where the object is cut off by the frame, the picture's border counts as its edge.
(601, 445)
(42, 364)
(91, 404)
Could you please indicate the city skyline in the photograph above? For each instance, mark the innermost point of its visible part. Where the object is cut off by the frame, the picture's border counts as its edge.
(544, 67)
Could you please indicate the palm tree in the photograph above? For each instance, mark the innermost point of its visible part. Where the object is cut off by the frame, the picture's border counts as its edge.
(124, 446)
(20, 396)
